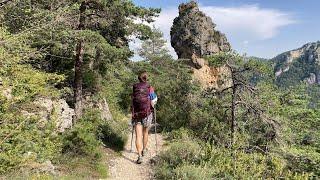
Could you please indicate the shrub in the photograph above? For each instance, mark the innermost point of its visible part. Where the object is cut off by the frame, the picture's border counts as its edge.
(25, 140)
(180, 134)
(90, 132)
(113, 135)
(189, 160)
(190, 171)
(176, 155)
(82, 138)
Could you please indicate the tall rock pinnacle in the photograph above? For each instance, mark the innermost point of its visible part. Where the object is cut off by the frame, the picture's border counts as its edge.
(193, 35)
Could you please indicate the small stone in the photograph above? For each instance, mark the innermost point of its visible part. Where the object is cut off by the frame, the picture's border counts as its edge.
(47, 167)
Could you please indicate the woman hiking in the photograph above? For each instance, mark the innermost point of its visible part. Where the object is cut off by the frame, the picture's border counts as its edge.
(142, 113)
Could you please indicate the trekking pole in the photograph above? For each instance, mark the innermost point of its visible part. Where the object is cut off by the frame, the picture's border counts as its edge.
(132, 114)
(132, 136)
(155, 128)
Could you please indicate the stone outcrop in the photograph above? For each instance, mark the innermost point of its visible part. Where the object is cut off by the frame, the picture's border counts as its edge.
(193, 36)
(213, 77)
(312, 79)
(101, 104)
(57, 110)
(62, 114)
(309, 62)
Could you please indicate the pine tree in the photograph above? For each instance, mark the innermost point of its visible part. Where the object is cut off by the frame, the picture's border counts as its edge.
(155, 47)
(74, 35)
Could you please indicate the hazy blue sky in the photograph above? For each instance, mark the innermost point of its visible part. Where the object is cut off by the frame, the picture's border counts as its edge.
(262, 28)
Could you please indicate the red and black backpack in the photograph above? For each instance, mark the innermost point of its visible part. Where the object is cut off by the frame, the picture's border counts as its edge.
(141, 105)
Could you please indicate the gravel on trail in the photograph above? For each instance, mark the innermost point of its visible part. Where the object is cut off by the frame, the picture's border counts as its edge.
(124, 167)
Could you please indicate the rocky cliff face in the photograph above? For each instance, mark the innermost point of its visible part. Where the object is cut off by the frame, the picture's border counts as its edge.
(193, 37)
(302, 63)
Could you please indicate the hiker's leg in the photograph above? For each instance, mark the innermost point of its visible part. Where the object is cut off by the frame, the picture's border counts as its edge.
(138, 129)
(145, 137)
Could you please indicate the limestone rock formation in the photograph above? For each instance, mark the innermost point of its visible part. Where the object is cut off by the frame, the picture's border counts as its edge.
(305, 60)
(57, 110)
(213, 77)
(193, 37)
(101, 104)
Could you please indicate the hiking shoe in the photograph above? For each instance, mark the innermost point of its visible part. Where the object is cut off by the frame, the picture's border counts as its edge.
(144, 152)
(139, 160)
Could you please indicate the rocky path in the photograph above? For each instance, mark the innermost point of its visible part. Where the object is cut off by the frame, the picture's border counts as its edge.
(124, 167)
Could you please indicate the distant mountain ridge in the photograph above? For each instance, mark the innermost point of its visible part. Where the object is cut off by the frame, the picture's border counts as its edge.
(302, 64)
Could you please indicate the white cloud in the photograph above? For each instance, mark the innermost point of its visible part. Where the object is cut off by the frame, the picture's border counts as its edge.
(244, 23)
(251, 20)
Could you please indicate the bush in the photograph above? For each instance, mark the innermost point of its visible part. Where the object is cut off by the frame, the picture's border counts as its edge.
(176, 155)
(113, 135)
(190, 171)
(90, 132)
(82, 139)
(189, 160)
(217, 60)
(26, 140)
(180, 134)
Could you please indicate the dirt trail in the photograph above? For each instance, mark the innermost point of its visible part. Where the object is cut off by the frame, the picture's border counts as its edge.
(124, 167)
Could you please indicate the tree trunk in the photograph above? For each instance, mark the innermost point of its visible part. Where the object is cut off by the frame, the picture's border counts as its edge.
(78, 65)
(233, 114)
(233, 122)
(78, 80)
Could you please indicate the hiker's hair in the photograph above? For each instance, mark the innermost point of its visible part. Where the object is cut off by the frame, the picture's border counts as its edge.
(143, 76)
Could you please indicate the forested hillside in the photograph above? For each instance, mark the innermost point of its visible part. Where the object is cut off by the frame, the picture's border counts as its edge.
(65, 95)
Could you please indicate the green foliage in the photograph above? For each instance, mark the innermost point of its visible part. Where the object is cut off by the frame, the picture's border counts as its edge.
(173, 87)
(27, 140)
(217, 60)
(188, 159)
(154, 48)
(257, 153)
(82, 138)
(37, 43)
(86, 137)
(23, 138)
(113, 134)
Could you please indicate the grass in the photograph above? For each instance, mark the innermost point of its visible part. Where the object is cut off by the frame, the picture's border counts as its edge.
(69, 168)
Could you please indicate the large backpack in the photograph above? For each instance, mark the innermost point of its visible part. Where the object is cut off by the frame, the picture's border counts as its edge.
(141, 105)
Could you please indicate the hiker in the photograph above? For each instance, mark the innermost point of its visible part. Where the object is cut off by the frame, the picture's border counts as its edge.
(143, 99)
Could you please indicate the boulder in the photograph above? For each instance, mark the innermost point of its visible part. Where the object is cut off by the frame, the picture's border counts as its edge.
(57, 110)
(312, 79)
(101, 104)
